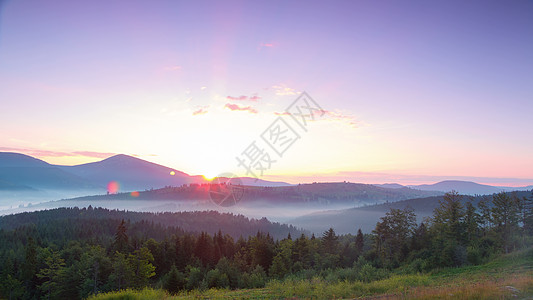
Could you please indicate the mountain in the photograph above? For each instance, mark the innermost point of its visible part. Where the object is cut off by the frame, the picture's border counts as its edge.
(131, 173)
(462, 187)
(349, 220)
(19, 172)
(9, 186)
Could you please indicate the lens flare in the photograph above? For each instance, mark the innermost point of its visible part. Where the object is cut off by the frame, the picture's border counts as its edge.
(113, 187)
(135, 194)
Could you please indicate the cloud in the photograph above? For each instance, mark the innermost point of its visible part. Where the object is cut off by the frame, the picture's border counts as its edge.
(235, 107)
(284, 90)
(285, 113)
(240, 98)
(48, 153)
(94, 154)
(253, 98)
(200, 111)
(336, 116)
(340, 117)
(265, 45)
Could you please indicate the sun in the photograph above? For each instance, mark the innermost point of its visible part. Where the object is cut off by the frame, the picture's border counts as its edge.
(210, 175)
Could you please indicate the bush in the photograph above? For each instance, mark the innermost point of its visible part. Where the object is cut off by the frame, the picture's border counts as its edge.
(174, 281)
(258, 277)
(473, 255)
(195, 278)
(345, 274)
(216, 279)
(368, 273)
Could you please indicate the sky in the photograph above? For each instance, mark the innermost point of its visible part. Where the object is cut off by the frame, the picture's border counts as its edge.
(409, 92)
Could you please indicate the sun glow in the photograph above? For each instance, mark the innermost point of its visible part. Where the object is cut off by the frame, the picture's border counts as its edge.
(209, 176)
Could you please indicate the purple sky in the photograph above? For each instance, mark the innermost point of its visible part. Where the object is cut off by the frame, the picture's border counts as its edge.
(433, 88)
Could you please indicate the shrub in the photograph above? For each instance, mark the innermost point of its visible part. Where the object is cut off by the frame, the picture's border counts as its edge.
(174, 281)
(195, 278)
(216, 279)
(473, 255)
(368, 273)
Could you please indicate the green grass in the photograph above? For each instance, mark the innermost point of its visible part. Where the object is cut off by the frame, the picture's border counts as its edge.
(506, 277)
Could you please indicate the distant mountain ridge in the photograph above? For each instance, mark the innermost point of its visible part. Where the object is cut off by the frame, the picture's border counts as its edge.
(131, 173)
(22, 171)
(462, 187)
(465, 187)
(19, 172)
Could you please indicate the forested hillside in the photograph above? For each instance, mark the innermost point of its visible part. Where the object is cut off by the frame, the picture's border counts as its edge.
(315, 193)
(73, 253)
(366, 217)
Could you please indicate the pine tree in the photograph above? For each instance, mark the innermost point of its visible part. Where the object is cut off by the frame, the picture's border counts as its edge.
(278, 268)
(141, 265)
(392, 234)
(449, 216)
(174, 281)
(505, 216)
(29, 267)
(50, 273)
(122, 272)
(359, 242)
(471, 221)
(121, 238)
(330, 241)
(527, 219)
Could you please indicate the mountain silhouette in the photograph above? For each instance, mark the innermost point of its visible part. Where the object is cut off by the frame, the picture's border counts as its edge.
(463, 187)
(19, 171)
(131, 173)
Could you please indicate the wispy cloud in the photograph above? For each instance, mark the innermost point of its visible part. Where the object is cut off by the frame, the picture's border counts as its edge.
(340, 116)
(254, 98)
(327, 115)
(285, 113)
(284, 90)
(94, 154)
(266, 45)
(200, 111)
(48, 153)
(235, 107)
